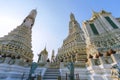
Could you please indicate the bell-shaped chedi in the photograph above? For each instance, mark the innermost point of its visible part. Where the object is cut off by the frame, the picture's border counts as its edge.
(18, 41)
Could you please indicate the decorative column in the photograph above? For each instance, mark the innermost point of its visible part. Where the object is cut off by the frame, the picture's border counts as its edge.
(2, 58)
(76, 56)
(100, 57)
(7, 59)
(12, 61)
(90, 60)
(19, 61)
(71, 59)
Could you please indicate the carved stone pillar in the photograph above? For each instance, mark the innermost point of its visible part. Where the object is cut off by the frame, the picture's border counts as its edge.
(91, 62)
(76, 56)
(27, 63)
(19, 61)
(2, 59)
(101, 60)
(7, 59)
(115, 57)
(71, 58)
(12, 61)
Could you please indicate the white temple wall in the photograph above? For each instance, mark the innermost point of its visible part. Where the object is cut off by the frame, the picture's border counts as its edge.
(15, 72)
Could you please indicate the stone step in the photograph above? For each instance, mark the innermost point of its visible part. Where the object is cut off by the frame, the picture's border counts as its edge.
(49, 79)
(52, 70)
(51, 74)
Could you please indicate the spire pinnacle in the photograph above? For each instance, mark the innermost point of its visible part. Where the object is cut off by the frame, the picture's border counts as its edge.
(30, 19)
(53, 52)
(72, 17)
(33, 13)
(94, 13)
(45, 47)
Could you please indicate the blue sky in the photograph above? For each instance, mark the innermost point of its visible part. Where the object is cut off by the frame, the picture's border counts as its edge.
(51, 25)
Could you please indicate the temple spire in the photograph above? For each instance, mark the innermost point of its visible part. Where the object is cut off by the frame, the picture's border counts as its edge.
(73, 25)
(30, 19)
(72, 17)
(18, 41)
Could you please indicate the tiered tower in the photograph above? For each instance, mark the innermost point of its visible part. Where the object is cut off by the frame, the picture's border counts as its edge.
(17, 43)
(43, 56)
(102, 32)
(73, 48)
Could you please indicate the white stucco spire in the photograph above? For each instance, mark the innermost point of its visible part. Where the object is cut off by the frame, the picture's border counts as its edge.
(33, 14)
(30, 19)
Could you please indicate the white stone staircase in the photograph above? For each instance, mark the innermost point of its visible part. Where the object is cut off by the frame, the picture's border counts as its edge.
(51, 74)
